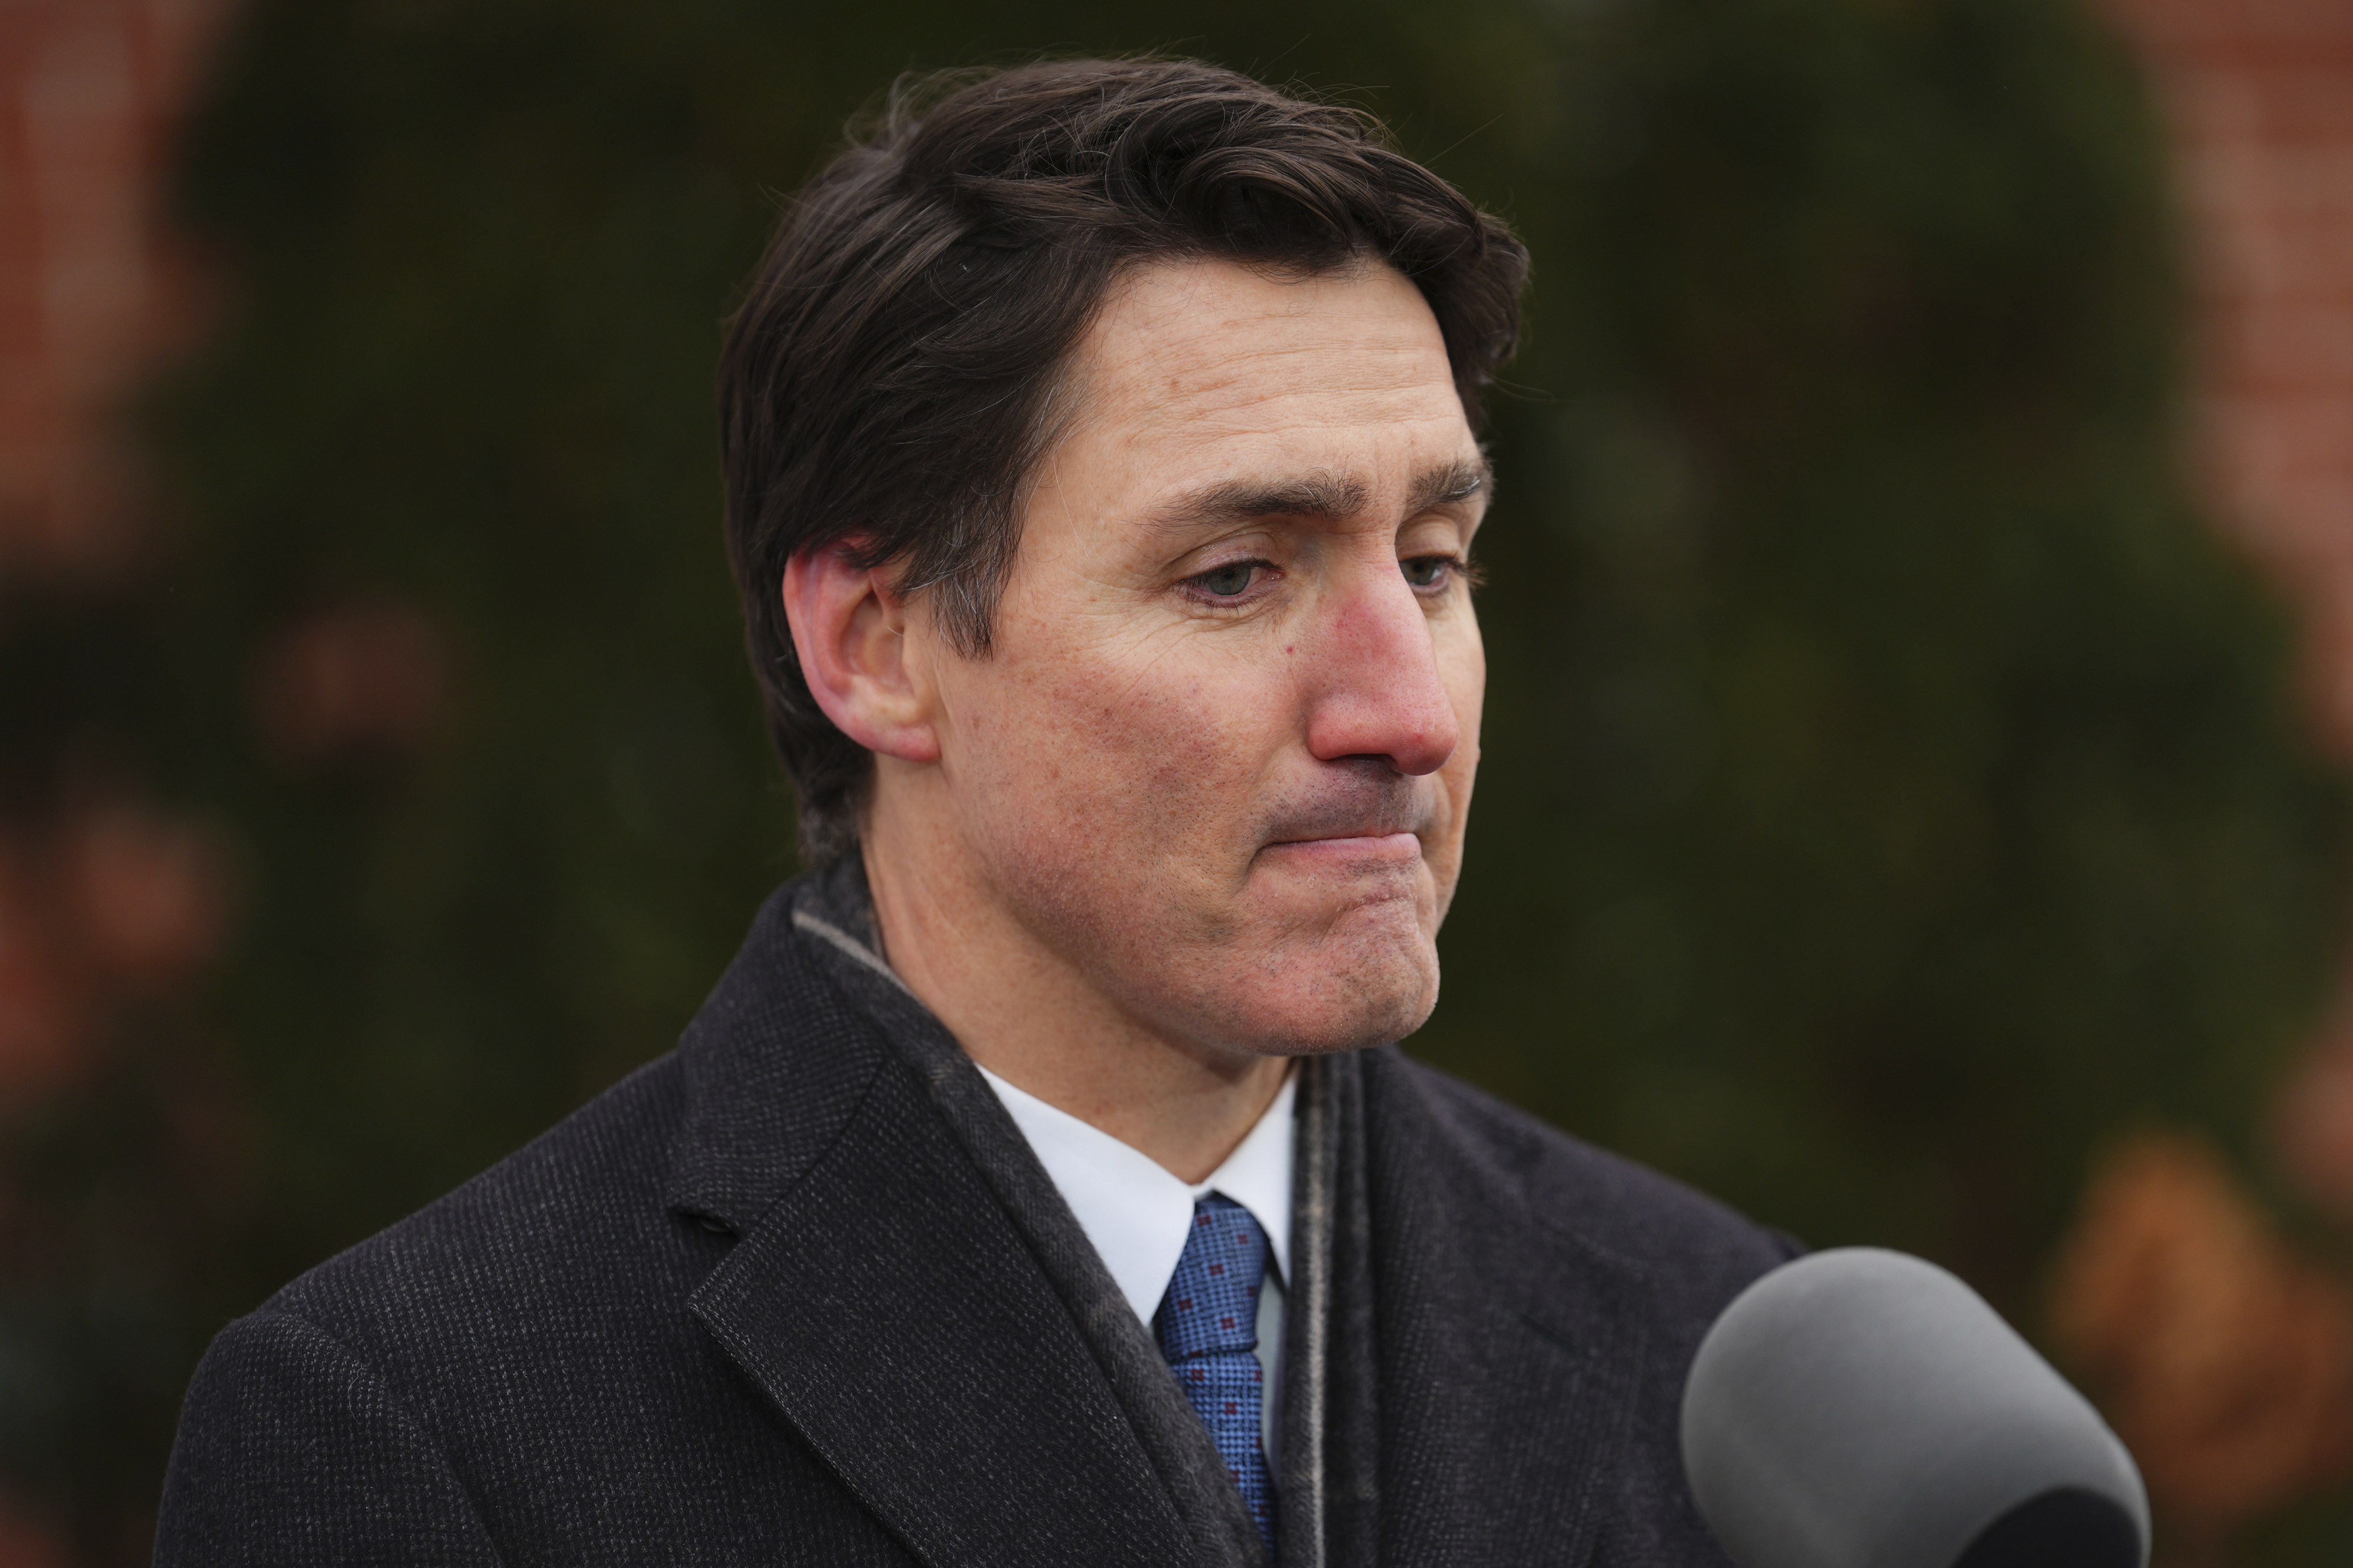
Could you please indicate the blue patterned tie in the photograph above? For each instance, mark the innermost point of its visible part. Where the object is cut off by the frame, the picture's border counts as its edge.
(1208, 1328)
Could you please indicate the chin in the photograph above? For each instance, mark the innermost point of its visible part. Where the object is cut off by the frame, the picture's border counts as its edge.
(1339, 994)
(1329, 1034)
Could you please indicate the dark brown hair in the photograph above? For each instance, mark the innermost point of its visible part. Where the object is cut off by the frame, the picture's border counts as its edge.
(894, 369)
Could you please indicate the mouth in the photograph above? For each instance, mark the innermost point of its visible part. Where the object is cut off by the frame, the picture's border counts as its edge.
(1352, 822)
(1349, 848)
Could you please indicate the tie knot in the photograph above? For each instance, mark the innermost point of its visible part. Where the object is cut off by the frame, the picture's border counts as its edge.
(1212, 1300)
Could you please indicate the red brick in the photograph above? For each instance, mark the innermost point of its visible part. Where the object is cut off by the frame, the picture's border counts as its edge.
(89, 90)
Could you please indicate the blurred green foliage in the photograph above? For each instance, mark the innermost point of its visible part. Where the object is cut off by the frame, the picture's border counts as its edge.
(1896, 787)
(1891, 790)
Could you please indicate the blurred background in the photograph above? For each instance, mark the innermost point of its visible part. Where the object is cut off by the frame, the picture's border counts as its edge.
(1920, 606)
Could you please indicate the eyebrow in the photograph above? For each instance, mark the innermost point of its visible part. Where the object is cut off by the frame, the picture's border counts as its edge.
(1323, 495)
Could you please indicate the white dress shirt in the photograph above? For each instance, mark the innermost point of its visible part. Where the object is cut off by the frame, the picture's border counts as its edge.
(1139, 1215)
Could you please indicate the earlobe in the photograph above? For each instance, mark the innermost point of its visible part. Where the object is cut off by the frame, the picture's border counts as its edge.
(851, 633)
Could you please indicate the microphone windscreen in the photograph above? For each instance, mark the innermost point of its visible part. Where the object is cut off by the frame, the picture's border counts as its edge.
(1860, 1408)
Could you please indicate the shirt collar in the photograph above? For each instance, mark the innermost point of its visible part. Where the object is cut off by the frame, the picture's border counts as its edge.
(1137, 1213)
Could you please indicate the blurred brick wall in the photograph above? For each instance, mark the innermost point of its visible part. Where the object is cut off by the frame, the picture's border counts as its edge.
(92, 291)
(89, 287)
(2227, 1358)
(2260, 98)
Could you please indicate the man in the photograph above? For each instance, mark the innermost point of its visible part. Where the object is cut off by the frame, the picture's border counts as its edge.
(1041, 1185)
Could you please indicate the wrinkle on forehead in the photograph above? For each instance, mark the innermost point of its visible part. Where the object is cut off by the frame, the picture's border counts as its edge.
(1206, 397)
(1164, 348)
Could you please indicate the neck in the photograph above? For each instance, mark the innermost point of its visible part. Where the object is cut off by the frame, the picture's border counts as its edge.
(1034, 1019)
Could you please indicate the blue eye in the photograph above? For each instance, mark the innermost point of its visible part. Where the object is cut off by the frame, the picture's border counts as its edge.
(1426, 570)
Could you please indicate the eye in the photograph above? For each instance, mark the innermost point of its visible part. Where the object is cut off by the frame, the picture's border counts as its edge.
(1430, 571)
(1229, 581)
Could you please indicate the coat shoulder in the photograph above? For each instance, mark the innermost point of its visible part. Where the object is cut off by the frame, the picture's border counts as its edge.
(564, 1209)
(1668, 1233)
(527, 1345)
(622, 1207)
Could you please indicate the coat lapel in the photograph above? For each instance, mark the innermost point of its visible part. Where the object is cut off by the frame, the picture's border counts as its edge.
(888, 1307)
(1508, 1355)
(883, 1299)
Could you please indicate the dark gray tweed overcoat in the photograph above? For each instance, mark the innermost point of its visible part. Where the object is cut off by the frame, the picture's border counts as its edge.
(798, 1294)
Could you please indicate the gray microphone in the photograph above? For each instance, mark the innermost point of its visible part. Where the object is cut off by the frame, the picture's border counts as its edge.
(1860, 1408)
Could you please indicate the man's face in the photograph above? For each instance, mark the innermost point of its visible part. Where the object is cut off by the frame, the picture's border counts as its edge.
(1220, 755)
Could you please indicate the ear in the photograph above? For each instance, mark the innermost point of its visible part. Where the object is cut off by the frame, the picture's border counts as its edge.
(850, 630)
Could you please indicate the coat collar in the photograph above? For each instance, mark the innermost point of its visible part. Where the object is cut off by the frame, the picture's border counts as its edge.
(775, 1063)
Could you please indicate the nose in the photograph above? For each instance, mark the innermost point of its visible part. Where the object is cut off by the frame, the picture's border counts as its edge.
(1376, 688)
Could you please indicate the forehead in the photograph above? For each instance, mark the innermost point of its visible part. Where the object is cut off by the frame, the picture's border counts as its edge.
(1208, 366)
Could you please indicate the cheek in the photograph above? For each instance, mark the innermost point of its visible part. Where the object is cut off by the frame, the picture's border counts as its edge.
(1090, 758)
(1465, 674)
(1465, 671)
(1469, 692)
